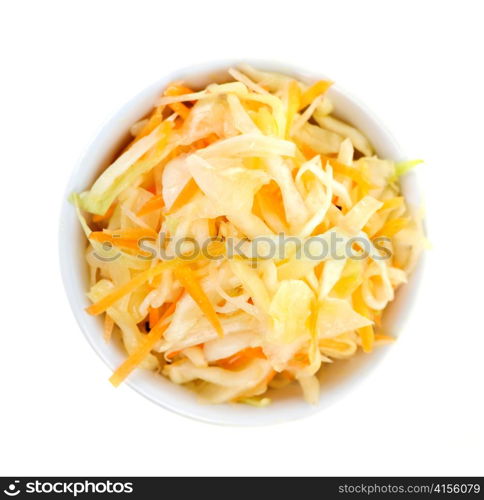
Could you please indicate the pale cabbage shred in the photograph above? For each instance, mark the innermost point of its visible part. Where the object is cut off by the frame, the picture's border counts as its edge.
(299, 313)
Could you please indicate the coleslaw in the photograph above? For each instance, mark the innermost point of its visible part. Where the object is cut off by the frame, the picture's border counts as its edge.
(206, 238)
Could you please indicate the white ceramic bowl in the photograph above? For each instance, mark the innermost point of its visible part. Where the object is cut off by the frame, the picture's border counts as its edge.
(287, 404)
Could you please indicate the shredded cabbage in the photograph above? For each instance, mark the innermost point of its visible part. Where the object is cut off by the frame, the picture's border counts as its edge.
(290, 310)
(126, 169)
(242, 164)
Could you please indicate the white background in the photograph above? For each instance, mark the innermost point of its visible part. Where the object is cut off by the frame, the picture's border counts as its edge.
(67, 65)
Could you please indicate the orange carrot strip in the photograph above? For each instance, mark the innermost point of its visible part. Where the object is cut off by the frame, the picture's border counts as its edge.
(241, 358)
(392, 203)
(200, 144)
(191, 284)
(367, 335)
(270, 376)
(377, 318)
(216, 248)
(351, 172)
(178, 107)
(178, 89)
(314, 91)
(288, 375)
(153, 316)
(122, 290)
(172, 354)
(383, 338)
(125, 238)
(211, 138)
(333, 344)
(392, 227)
(185, 195)
(132, 233)
(156, 281)
(270, 197)
(108, 327)
(122, 243)
(265, 121)
(293, 104)
(308, 152)
(154, 120)
(212, 227)
(155, 203)
(205, 141)
(106, 216)
(143, 349)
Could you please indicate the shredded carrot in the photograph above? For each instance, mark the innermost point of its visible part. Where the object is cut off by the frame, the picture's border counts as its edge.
(186, 194)
(200, 144)
(143, 349)
(106, 216)
(392, 227)
(254, 163)
(178, 89)
(265, 121)
(192, 285)
(241, 358)
(293, 104)
(287, 374)
(367, 337)
(366, 333)
(348, 284)
(314, 91)
(212, 227)
(131, 233)
(205, 141)
(308, 152)
(155, 119)
(351, 172)
(339, 168)
(153, 316)
(211, 138)
(151, 188)
(380, 337)
(270, 197)
(172, 354)
(155, 203)
(253, 105)
(125, 239)
(392, 203)
(270, 376)
(156, 281)
(377, 317)
(122, 290)
(333, 344)
(124, 244)
(216, 248)
(178, 107)
(108, 327)
(300, 360)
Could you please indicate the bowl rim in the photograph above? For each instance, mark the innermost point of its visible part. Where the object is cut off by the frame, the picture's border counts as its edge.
(72, 286)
